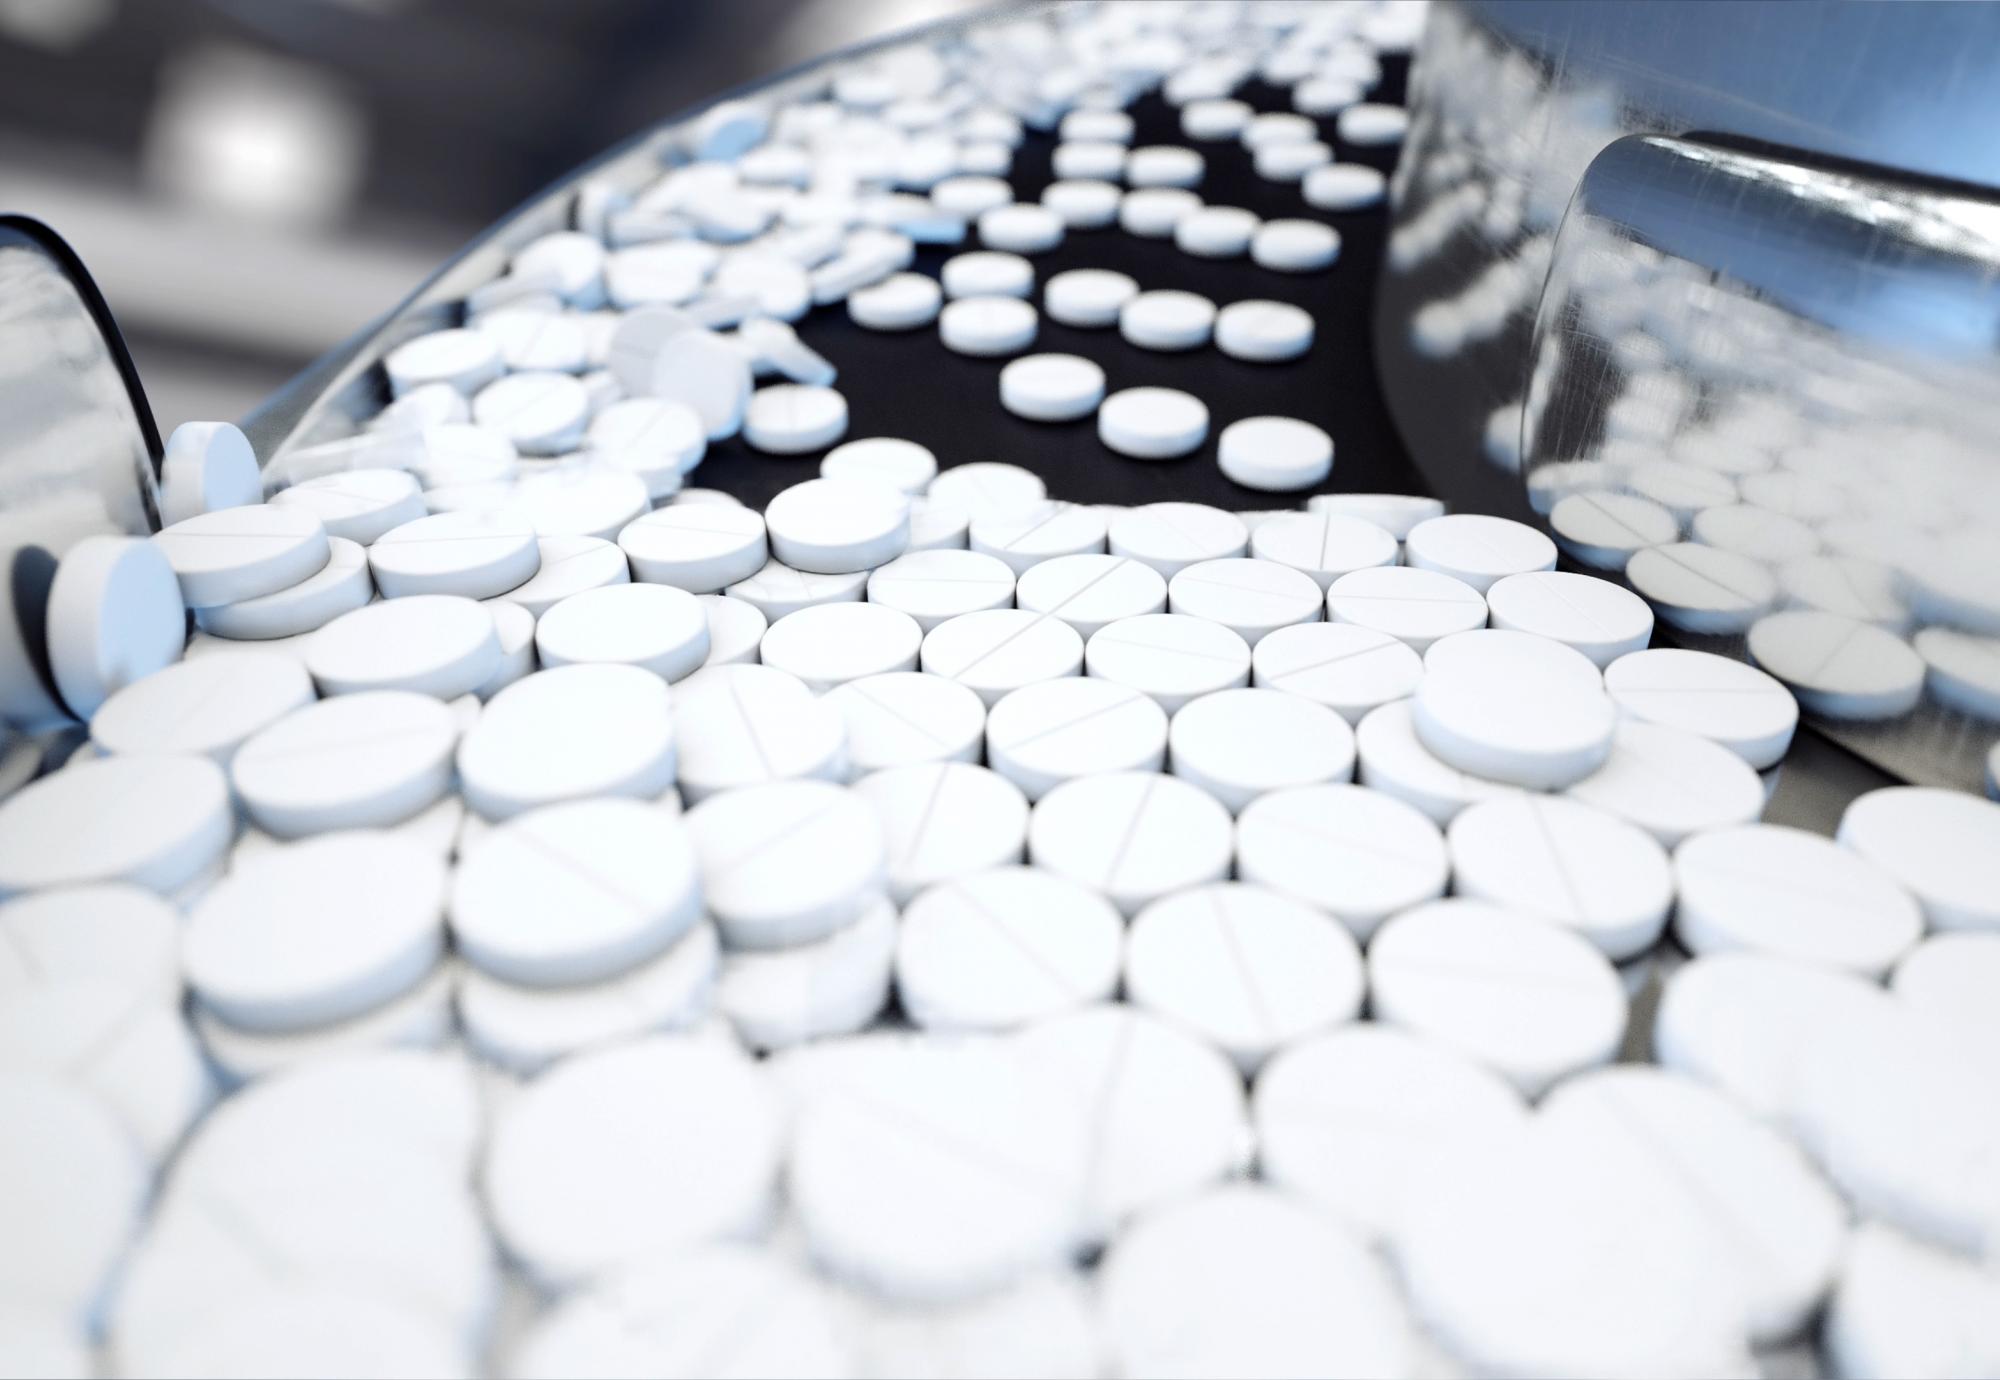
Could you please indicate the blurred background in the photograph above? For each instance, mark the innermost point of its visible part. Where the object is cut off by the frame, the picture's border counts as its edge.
(251, 181)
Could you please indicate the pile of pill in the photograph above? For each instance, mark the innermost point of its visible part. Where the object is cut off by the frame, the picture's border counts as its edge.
(551, 919)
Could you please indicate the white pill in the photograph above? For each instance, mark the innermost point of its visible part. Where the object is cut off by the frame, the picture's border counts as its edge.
(1250, 597)
(1241, 744)
(1275, 454)
(1278, 127)
(1349, 669)
(209, 706)
(1324, 545)
(903, 465)
(831, 644)
(317, 932)
(1152, 423)
(1513, 707)
(467, 360)
(1701, 588)
(931, 1171)
(1415, 606)
(1152, 212)
(1135, 836)
(359, 505)
(1370, 126)
(779, 349)
(653, 439)
(1083, 203)
(1166, 319)
(542, 413)
(1478, 550)
(1022, 540)
(1051, 388)
(776, 998)
(114, 616)
(1527, 999)
(473, 554)
(1351, 1120)
(998, 650)
(1903, 1307)
(1114, 126)
(1396, 514)
(838, 526)
(1791, 894)
(1606, 530)
(735, 629)
(701, 370)
(777, 589)
(75, 1187)
(171, 815)
(434, 644)
(1602, 620)
(71, 933)
(664, 1143)
(987, 326)
(794, 418)
(1672, 783)
(658, 628)
(232, 554)
(1289, 160)
(1263, 332)
(1934, 842)
(996, 949)
(1040, 736)
(1946, 979)
(1213, 119)
(1169, 537)
(969, 196)
(1359, 854)
(1165, 166)
(569, 566)
(987, 487)
(1171, 657)
(1244, 1280)
(1737, 706)
(1343, 187)
(933, 586)
(566, 734)
(900, 302)
(1089, 591)
(1020, 228)
(700, 548)
(1962, 670)
(987, 273)
(944, 820)
(834, 861)
(358, 761)
(901, 718)
(207, 466)
(342, 585)
(1566, 862)
(1216, 232)
(1839, 667)
(744, 725)
(1088, 298)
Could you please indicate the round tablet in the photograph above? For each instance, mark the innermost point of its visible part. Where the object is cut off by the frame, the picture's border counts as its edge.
(1349, 669)
(1245, 968)
(1274, 454)
(933, 586)
(1791, 894)
(541, 412)
(937, 1171)
(1415, 606)
(1083, 203)
(1737, 706)
(903, 717)
(838, 526)
(1570, 863)
(359, 505)
(900, 302)
(621, 873)
(1701, 588)
(1396, 514)
(1671, 783)
(1214, 118)
(786, 862)
(1166, 319)
(79, 932)
(1135, 836)
(1024, 539)
(987, 326)
(1152, 212)
(1359, 854)
(742, 725)
(1020, 228)
(1249, 597)
(342, 585)
(1169, 537)
(1840, 667)
(208, 706)
(660, 1144)
(1527, 999)
(1343, 187)
(1962, 670)
(569, 566)
(1295, 246)
(1602, 620)
(1152, 423)
(902, 465)
(701, 370)
(658, 628)
(1606, 529)
(160, 822)
(794, 419)
(996, 949)
(1164, 166)
(1216, 232)
(1240, 744)
(317, 932)
(467, 360)
(232, 554)
(1088, 298)
(1323, 545)
(474, 554)
(1051, 388)
(1516, 708)
(1089, 591)
(357, 761)
(831, 644)
(1263, 332)
(1370, 126)
(434, 644)
(1478, 550)
(1040, 736)
(777, 998)
(1351, 1119)
(1170, 657)
(1946, 978)
(998, 650)
(1904, 1307)
(566, 734)
(700, 548)
(967, 196)
(943, 820)
(987, 487)
(114, 616)
(1933, 842)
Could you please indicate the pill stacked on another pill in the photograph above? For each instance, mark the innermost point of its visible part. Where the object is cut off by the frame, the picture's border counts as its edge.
(553, 919)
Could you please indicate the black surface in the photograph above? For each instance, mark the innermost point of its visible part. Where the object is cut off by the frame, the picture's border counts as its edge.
(908, 385)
